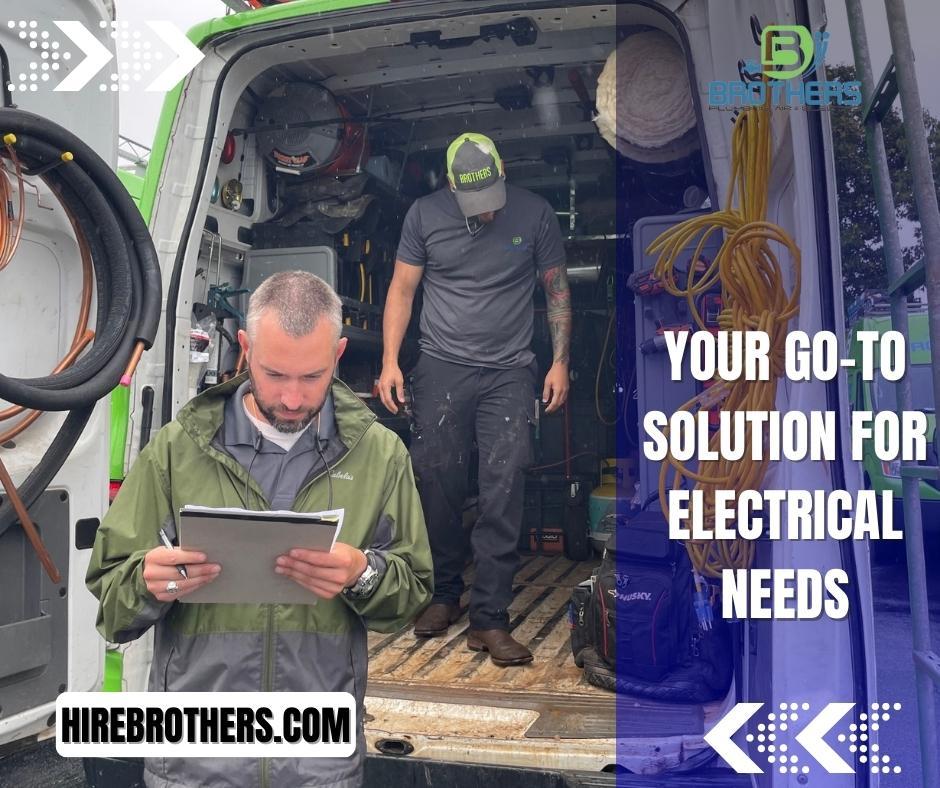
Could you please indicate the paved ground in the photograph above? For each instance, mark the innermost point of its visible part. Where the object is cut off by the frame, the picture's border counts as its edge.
(41, 767)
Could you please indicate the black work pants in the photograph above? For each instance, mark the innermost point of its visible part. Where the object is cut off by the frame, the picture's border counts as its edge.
(450, 404)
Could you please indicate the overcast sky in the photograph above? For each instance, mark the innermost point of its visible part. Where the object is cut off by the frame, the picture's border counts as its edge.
(140, 110)
(923, 18)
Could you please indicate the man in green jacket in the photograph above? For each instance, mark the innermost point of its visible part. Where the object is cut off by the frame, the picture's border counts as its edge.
(290, 436)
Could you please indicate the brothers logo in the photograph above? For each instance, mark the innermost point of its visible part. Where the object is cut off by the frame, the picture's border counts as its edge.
(783, 46)
(474, 177)
(789, 56)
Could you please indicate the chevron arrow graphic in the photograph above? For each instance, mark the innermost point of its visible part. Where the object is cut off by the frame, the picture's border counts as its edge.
(96, 54)
(719, 738)
(187, 56)
(811, 738)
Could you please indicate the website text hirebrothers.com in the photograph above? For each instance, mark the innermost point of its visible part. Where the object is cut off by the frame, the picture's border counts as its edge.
(206, 724)
(324, 724)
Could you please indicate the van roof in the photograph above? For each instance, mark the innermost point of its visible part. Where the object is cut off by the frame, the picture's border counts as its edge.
(202, 32)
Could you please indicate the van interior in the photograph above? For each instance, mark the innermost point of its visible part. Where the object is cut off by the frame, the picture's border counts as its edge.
(318, 154)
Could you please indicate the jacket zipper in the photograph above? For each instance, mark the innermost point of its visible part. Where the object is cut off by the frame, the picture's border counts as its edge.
(268, 666)
(267, 675)
(600, 595)
(166, 673)
(268, 660)
(659, 604)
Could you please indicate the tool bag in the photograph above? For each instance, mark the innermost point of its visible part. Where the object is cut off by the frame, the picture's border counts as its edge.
(633, 625)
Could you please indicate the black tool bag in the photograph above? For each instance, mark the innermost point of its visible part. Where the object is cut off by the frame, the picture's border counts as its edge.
(633, 626)
(581, 619)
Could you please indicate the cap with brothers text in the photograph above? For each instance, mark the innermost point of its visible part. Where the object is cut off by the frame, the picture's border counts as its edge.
(475, 171)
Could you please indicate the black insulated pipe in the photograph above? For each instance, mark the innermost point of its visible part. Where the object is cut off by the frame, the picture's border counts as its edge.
(127, 278)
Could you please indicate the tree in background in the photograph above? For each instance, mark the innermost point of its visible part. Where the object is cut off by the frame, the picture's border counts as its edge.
(863, 263)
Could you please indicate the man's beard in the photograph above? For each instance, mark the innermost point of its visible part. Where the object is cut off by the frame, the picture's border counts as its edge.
(270, 413)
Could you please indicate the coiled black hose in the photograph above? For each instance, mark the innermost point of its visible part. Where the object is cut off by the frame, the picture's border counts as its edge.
(128, 285)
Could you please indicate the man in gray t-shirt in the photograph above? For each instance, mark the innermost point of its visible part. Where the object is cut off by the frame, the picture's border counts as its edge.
(478, 247)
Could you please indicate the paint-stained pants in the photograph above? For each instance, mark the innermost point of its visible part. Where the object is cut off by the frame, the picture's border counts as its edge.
(452, 403)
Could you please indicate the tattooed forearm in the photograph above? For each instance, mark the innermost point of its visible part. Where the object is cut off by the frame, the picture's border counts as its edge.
(558, 300)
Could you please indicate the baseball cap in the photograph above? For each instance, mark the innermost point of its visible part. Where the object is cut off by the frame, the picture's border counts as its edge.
(475, 171)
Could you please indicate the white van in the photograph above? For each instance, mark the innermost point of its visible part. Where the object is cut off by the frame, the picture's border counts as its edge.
(299, 141)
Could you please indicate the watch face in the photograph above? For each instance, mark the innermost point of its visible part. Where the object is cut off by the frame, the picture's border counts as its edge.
(369, 577)
(367, 580)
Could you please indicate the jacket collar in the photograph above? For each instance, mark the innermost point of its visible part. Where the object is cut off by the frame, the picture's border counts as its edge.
(202, 417)
(238, 430)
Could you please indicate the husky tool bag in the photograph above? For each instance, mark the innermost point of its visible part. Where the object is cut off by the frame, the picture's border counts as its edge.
(634, 629)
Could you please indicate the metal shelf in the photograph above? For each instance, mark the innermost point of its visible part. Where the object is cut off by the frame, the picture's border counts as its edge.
(363, 337)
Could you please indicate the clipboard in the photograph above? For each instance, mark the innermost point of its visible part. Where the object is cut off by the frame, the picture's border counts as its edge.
(246, 544)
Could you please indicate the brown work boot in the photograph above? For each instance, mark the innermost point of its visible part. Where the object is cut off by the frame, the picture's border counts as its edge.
(503, 648)
(436, 619)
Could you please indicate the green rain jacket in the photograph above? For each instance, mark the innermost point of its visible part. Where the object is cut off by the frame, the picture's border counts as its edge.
(280, 648)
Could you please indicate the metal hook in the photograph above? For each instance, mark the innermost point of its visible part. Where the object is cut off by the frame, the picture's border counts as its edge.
(756, 29)
(747, 76)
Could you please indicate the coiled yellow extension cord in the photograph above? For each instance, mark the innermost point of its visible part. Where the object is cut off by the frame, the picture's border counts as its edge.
(754, 298)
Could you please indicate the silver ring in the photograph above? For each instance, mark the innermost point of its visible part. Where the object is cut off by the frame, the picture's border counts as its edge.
(172, 587)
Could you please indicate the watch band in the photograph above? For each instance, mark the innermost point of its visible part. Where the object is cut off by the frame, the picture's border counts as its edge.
(367, 581)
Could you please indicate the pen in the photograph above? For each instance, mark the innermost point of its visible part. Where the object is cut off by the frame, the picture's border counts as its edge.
(167, 543)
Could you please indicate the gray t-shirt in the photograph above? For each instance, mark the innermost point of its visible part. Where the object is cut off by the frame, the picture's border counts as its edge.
(478, 288)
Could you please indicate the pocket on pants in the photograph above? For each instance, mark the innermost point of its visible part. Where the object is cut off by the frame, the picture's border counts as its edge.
(532, 417)
(512, 440)
(413, 381)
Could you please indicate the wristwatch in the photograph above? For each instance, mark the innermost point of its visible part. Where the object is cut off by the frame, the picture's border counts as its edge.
(367, 581)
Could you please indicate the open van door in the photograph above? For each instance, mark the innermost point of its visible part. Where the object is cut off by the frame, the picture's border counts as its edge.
(40, 300)
(79, 303)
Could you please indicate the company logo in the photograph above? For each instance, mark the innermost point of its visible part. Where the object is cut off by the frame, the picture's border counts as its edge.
(636, 596)
(69, 56)
(474, 177)
(785, 46)
(789, 56)
(784, 743)
(518, 244)
(341, 475)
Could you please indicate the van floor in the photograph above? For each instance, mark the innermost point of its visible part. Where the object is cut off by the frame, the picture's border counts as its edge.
(443, 669)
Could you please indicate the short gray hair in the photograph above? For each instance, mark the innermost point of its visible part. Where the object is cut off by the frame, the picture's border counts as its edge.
(299, 299)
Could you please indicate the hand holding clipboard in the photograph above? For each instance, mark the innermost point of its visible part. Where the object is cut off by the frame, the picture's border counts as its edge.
(247, 545)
